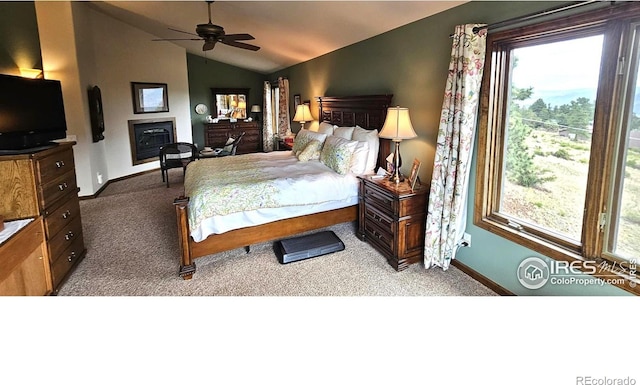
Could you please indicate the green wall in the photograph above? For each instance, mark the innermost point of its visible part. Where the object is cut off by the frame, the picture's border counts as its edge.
(20, 43)
(205, 74)
(411, 62)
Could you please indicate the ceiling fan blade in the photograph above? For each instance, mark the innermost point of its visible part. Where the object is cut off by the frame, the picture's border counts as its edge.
(208, 45)
(234, 43)
(238, 36)
(188, 33)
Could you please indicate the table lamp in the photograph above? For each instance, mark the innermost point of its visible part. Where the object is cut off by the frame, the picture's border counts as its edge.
(303, 114)
(397, 126)
(255, 111)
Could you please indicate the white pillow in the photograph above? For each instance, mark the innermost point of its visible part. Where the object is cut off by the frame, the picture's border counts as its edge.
(304, 137)
(326, 128)
(371, 137)
(343, 132)
(337, 153)
(359, 158)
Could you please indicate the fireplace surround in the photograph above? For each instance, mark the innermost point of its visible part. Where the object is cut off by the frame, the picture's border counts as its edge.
(146, 136)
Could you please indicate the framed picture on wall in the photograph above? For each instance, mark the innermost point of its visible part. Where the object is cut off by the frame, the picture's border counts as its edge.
(149, 97)
(296, 102)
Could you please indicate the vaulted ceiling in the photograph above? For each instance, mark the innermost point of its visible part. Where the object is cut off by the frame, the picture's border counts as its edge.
(287, 32)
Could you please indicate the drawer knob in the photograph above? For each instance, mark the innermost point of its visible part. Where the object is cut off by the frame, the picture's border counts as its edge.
(62, 186)
(60, 164)
(68, 235)
(71, 256)
(66, 214)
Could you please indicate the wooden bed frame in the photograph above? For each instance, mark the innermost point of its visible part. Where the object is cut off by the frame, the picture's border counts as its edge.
(367, 111)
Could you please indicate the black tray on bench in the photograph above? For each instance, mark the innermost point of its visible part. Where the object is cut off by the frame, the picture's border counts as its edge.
(307, 246)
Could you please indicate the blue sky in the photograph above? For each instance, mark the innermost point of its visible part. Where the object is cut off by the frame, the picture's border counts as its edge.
(560, 72)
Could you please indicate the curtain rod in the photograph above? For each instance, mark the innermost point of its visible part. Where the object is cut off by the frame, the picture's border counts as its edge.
(534, 15)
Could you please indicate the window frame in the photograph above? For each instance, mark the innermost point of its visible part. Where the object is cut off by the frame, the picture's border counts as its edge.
(493, 116)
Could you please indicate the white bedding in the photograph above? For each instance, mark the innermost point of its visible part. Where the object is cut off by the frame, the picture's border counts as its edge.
(253, 189)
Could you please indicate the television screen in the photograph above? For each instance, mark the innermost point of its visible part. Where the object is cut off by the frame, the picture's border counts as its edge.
(31, 112)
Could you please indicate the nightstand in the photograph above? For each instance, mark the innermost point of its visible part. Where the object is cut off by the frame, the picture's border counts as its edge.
(392, 219)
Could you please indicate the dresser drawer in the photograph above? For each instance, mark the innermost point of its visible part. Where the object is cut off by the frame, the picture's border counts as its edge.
(380, 198)
(57, 219)
(57, 188)
(66, 236)
(55, 165)
(68, 258)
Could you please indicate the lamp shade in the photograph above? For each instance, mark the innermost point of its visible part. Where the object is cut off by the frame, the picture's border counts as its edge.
(397, 125)
(303, 114)
(255, 108)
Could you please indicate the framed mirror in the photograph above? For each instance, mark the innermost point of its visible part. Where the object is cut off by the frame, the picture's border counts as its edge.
(229, 103)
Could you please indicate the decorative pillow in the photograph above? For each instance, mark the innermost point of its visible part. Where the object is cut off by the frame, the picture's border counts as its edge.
(311, 151)
(371, 137)
(337, 153)
(359, 158)
(304, 137)
(344, 132)
(229, 145)
(326, 128)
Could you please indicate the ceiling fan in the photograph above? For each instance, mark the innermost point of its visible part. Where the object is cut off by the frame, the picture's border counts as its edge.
(212, 34)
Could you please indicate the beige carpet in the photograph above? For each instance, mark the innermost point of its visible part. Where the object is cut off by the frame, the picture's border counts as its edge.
(130, 235)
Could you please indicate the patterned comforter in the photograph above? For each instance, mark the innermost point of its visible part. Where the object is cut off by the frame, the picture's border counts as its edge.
(245, 190)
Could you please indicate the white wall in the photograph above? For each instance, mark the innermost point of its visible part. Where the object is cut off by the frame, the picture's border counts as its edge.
(82, 47)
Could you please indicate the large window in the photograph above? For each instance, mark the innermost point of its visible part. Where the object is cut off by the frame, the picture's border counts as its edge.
(559, 141)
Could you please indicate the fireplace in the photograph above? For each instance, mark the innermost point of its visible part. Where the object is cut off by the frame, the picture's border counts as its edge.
(148, 135)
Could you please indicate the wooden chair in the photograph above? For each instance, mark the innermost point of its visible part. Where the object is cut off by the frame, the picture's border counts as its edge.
(175, 155)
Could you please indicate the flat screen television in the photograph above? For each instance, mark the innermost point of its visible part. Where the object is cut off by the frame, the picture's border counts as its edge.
(31, 113)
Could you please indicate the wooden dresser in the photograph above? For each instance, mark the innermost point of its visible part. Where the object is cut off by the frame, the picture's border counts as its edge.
(44, 184)
(393, 218)
(216, 135)
(24, 262)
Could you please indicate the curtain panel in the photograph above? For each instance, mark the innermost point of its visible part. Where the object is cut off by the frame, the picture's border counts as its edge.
(446, 216)
(267, 118)
(283, 110)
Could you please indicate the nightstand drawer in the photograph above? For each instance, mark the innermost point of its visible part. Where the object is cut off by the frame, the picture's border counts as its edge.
(381, 238)
(384, 222)
(379, 198)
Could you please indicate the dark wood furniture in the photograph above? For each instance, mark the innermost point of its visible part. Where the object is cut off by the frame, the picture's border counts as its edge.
(176, 155)
(371, 112)
(216, 135)
(393, 218)
(43, 184)
(24, 262)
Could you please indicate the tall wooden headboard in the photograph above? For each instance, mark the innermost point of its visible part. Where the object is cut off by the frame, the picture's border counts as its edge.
(366, 111)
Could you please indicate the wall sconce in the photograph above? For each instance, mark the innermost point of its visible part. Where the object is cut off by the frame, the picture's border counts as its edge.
(303, 114)
(397, 126)
(31, 73)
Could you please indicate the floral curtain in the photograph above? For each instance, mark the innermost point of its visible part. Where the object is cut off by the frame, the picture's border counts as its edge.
(446, 218)
(267, 118)
(283, 107)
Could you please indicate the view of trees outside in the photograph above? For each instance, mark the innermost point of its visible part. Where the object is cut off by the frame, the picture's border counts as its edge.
(548, 141)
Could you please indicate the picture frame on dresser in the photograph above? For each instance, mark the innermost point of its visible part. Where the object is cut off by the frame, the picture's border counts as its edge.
(149, 97)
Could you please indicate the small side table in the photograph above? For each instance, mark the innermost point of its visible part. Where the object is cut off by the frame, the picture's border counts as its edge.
(392, 218)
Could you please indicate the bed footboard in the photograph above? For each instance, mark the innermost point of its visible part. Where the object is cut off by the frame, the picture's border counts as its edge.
(187, 265)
